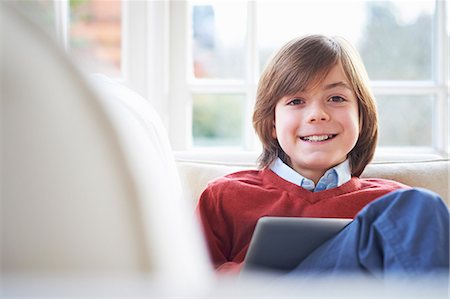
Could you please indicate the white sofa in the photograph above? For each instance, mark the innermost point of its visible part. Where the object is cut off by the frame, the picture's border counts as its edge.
(90, 204)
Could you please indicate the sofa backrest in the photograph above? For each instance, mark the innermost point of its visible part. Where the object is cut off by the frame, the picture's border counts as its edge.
(431, 174)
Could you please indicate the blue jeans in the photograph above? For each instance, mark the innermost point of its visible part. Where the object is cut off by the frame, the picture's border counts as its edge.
(405, 233)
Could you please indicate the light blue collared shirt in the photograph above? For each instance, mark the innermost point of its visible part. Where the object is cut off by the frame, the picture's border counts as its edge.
(333, 177)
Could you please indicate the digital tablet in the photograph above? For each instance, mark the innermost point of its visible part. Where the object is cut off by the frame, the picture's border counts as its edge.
(281, 243)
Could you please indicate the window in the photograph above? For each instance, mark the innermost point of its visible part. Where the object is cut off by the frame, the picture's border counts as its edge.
(198, 62)
(90, 30)
(404, 46)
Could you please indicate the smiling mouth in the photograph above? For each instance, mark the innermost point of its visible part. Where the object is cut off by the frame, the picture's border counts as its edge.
(318, 138)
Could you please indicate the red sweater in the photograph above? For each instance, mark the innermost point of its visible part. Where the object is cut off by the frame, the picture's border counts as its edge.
(231, 205)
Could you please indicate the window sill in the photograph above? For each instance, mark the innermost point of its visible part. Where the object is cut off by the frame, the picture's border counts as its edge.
(241, 157)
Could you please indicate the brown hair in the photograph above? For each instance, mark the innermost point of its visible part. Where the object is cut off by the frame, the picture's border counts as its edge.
(297, 64)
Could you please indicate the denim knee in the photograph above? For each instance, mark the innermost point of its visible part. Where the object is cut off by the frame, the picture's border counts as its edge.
(414, 201)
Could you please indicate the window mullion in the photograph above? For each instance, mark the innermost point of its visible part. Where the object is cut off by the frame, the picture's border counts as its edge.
(213, 86)
(441, 122)
(62, 21)
(252, 74)
(441, 43)
(134, 51)
(180, 106)
(158, 60)
(409, 88)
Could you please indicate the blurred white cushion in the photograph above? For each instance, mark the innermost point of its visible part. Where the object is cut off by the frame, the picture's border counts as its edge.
(89, 185)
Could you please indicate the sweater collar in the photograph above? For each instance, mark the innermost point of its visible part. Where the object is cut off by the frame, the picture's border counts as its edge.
(333, 177)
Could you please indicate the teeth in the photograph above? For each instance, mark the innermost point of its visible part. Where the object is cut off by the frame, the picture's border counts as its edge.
(316, 138)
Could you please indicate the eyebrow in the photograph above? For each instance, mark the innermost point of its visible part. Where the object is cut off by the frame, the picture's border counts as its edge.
(338, 84)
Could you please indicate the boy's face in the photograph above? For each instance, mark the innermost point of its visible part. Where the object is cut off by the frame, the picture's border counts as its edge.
(318, 127)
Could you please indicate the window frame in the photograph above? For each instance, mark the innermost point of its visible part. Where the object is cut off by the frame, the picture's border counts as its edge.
(437, 87)
(156, 62)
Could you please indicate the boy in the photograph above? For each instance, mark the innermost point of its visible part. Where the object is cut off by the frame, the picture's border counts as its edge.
(316, 118)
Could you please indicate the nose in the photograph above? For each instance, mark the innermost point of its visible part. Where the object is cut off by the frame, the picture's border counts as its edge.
(317, 113)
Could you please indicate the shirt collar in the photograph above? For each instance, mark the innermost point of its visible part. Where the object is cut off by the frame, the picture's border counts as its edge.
(333, 177)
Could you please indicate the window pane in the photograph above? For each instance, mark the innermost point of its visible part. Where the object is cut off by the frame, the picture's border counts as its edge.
(217, 119)
(218, 40)
(95, 34)
(405, 120)
(398, 40)
(386, 33)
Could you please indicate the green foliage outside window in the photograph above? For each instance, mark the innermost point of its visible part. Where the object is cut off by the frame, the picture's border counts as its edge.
(217, 120)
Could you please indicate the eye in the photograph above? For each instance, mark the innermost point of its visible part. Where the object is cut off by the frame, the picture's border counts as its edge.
(295, 102)
(337, 99)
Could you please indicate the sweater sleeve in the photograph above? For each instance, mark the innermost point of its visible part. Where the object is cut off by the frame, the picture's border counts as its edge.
(214, 226)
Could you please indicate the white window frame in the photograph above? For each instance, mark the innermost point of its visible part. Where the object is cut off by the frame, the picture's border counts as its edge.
(156, 60)
(145, 51)
(144, 66)
(184, 86)
(61, 11)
